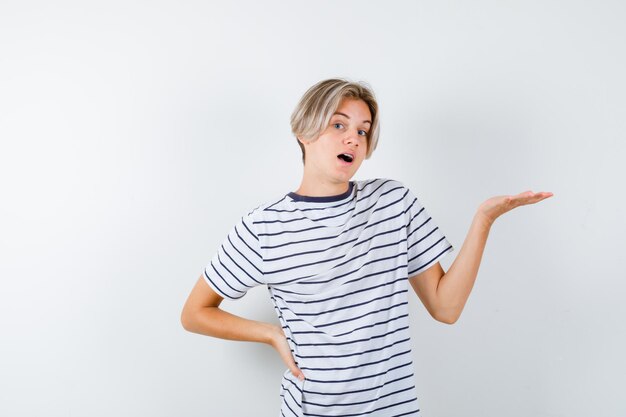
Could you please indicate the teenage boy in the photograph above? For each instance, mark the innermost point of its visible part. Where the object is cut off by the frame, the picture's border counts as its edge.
(337, 257)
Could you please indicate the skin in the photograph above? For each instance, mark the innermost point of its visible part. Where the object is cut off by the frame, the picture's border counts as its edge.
(324, 174)
(444, 294)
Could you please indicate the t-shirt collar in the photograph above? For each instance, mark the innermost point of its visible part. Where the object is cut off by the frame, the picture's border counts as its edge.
(324, 199)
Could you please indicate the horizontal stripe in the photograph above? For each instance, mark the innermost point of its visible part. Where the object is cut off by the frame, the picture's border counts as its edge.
(360, 402)
(360, 390)
(353, 354)
(356, 366)
(356, 270)
(367, 412)
(355, 318)
(336, 269)
(351, 341)
(360, 377)
(342, 295)
(431, 261)
(351, 305)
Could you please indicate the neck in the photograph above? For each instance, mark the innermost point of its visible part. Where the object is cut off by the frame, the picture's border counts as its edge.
(321, 188)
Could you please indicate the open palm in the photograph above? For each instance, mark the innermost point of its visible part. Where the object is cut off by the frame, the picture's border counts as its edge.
(496, 206)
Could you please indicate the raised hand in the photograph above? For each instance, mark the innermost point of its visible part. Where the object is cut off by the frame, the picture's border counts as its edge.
(494, 207)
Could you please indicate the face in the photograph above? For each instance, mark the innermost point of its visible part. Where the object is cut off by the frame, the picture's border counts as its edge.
(347, 132)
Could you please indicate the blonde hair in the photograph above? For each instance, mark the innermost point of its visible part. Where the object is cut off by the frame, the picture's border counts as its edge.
(318, 104)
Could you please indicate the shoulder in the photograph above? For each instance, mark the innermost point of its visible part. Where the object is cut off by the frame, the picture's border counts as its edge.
(397, 191)
(266, 212)
(383, 186)
(386, 183)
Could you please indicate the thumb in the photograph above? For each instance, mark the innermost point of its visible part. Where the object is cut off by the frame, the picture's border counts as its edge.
(286, 354)
(295, 370)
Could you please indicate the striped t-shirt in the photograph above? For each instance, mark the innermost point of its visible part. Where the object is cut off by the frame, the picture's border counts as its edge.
(337, 271)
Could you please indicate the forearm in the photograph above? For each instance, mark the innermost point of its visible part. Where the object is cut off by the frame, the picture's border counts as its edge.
(213, 321)
(455, 286)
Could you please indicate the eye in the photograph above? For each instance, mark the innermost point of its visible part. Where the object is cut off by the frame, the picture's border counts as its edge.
(337, 124)
(365, 133)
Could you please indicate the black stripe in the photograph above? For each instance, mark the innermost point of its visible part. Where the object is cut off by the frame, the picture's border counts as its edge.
(421, 239)
(335, 246)
(244, 257)
(343, 295)
(395, 355)
(367, 412)
(359, 390)
(431, 261)
(372, 325)
(360, 402)
(354, 318)
(426, 250)
(410, 226)
(311, 251)
(406, 414)
(335, 206)
(400, 255)
(349, 306)
(360, 377)
(291, 395)
(307, 218)
(366, 210)
(378, 336)
(223, 265)
(218, 288)
(354, 354)
(300, 241)
(330, 260)
(292, 383)
(249, 231)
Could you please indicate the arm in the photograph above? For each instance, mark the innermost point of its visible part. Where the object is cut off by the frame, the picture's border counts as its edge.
(201, 314)
(444, 294)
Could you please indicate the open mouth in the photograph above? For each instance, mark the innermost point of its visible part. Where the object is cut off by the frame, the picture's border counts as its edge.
(345, 157)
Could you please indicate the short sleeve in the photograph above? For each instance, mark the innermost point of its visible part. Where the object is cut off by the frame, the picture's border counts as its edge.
(426, 243)
(237, 265)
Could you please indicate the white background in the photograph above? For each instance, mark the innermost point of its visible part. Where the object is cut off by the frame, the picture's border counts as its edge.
(135, 134)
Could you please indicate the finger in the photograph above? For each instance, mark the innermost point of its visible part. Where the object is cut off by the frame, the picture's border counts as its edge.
(295, 370)
(291, 363)
(532, 194)
(528, 197)
(541, 195)
(298, 373)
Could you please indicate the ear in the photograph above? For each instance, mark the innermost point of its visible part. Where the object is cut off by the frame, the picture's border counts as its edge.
(303, 142)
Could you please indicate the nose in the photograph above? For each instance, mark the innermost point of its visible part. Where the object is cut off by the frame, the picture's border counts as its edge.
(352, 137)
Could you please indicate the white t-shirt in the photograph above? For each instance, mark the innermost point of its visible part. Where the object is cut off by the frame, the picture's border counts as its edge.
(337, 272)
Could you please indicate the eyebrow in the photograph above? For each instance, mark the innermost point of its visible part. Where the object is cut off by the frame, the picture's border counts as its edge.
(347, 117)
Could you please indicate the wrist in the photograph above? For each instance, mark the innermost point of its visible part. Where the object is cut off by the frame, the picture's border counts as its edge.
(272, 334)
(483, 220)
